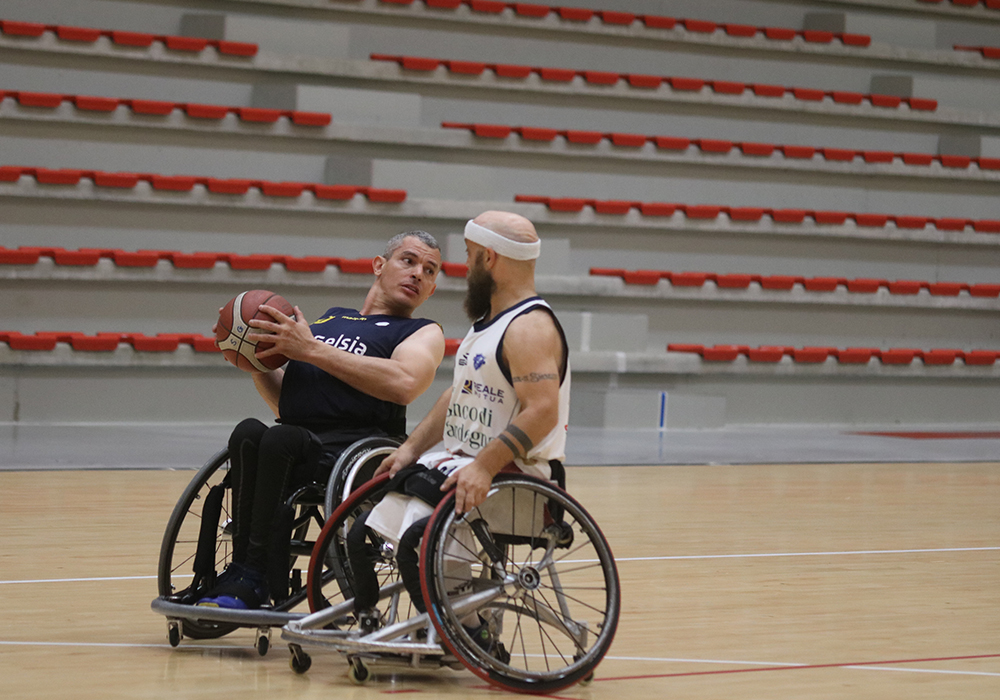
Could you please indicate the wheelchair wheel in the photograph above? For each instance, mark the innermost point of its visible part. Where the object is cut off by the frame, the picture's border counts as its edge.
(557, 599)
(355, 466)
(180, 545)
(330, 581)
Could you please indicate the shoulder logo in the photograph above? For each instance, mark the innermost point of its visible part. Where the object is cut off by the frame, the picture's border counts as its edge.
(478, 361)
(382, 323)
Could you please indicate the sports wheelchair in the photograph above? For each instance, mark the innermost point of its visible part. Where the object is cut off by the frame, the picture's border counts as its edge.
(529, 566)
(197, 545)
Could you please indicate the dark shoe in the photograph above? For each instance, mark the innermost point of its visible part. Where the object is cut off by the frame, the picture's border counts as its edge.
(485, 640)
(238, 588)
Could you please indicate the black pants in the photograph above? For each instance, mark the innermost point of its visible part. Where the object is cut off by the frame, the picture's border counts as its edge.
(267, 464)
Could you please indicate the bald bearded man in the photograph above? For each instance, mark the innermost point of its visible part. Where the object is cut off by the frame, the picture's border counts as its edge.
(507, 407)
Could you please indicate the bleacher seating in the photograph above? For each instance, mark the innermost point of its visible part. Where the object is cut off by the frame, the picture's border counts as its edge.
(163, 108)
(618, 18)
(812, 355)
(44, 341)
(750, 214)
(984, 51)
(186, 183)
(721, 146)
(788, 282)
(130, 39)
(644, 82)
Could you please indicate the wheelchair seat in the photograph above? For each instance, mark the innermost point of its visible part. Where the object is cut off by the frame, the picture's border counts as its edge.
(197, 544)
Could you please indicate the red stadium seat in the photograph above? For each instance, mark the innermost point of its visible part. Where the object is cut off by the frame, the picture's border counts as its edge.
(252, 262)
(722, 353)
(941, 357)
(812, 354)
(228, 186)
(309, 263)
(899, 356)
(856, 356)
(981, 357)
(701, 211)
(451, 269)
(823, 284)
(866, 286)
(645, 277)
(766, 353)
(735, 281)
(362, 266)
(746, 213)
(689, 279)
(906, 287)
(782, 282)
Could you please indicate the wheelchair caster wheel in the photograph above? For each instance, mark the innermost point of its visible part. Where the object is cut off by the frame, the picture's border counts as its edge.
(174, 635)
(263, 641)
(358, 672)
(586, 680)
(300, 661)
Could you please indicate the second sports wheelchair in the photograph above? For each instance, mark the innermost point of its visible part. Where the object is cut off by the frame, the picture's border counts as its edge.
(523, 590)
(197, 543)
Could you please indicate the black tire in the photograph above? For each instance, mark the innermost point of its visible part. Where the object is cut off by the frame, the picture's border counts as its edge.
(180, 542)
(355, 466)
(535, 646)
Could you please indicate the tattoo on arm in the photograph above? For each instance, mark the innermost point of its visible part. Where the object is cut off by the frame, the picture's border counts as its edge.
(502, 437)
(519, 435)
(534, 377)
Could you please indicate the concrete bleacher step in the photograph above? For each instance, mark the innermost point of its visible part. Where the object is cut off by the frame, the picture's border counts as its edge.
(805, 102)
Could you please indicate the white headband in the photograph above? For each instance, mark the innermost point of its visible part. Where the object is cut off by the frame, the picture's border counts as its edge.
(503, 246)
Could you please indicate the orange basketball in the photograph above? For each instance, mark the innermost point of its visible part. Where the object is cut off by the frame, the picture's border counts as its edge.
(234, 326)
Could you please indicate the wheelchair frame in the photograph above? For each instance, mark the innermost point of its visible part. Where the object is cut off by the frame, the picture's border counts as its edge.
(524, 567)
(354, 466)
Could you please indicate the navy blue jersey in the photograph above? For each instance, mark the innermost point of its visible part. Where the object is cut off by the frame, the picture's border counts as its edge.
(319, 401)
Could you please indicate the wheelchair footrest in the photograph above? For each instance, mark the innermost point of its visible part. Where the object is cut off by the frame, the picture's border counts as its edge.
(243, 618)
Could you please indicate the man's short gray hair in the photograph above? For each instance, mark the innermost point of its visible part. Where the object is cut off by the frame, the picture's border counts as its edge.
(396, 242)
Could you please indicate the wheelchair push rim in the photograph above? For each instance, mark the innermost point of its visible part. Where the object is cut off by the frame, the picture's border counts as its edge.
(559, 595)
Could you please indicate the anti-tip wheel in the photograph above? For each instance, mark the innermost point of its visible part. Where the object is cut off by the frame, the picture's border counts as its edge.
(173, 633)
(300, 661)
(358, 672)
(262, 644)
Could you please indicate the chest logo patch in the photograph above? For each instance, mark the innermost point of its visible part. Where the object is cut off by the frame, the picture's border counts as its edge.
(478, 361)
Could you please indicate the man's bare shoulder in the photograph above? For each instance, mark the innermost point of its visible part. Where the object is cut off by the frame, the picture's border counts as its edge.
(533, 332)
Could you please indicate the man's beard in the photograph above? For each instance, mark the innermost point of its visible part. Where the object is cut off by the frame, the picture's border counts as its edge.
(481, 286)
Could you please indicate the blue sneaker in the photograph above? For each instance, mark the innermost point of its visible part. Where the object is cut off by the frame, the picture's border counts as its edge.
(238, 588)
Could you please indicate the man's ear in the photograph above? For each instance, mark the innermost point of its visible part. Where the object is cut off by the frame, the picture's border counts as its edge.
(490, 258)
(378, 262)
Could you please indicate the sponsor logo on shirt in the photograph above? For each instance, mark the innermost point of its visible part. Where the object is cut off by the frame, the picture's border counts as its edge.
(482, 391)
(346, 343)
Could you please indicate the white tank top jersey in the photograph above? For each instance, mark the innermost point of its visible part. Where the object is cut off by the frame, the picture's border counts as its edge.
(483, 402)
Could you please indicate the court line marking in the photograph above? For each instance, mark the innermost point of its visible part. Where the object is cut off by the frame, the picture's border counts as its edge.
(761, 555)
(806, 554)
(856, 665)
(79, 580)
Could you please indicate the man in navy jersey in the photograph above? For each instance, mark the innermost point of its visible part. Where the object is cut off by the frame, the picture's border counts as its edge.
(350, 375)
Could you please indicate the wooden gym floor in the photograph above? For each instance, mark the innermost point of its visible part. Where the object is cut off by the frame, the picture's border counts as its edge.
(766, 581)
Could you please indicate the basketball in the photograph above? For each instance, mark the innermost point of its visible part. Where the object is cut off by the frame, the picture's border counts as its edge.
(234, 326)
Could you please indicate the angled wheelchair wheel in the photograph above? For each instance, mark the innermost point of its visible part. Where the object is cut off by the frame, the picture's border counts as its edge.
(529, 575)
(176, 577)
(355, 466)
(330, 581)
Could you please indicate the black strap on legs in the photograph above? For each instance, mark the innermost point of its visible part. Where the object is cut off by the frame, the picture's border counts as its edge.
(408, 559)
(279, 552)
(204, 558)
(359, 553)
